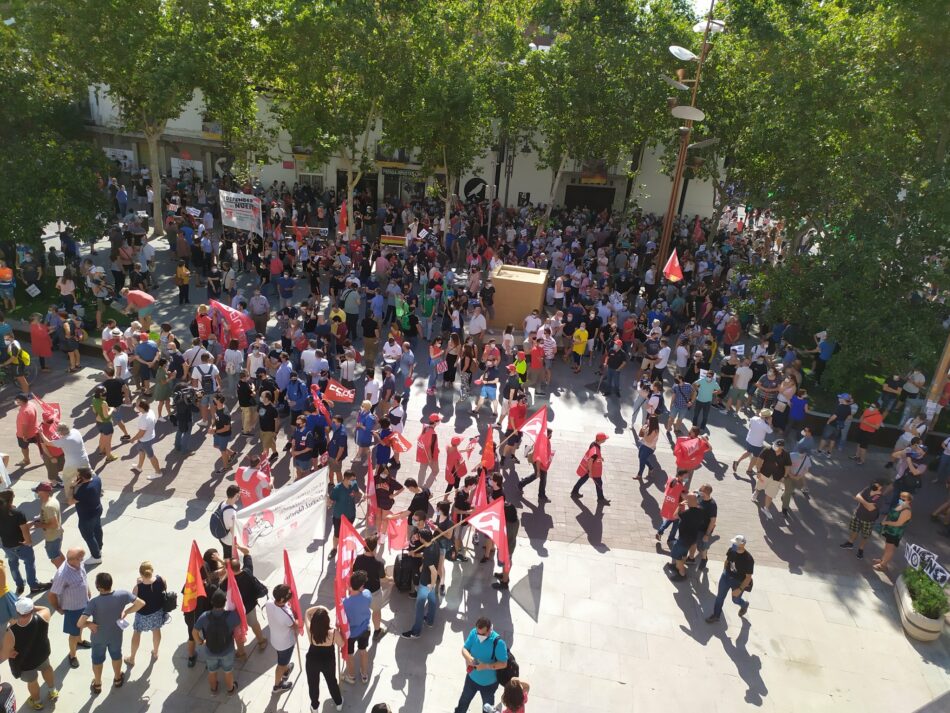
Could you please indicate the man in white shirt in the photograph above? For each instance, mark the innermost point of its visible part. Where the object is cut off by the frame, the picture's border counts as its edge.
(759, 427)
(477, 326)
(283, 635)
(392, 353)
(121, 363)
(662, 359)
(738, 392)
(533, 322)
(372, 388)
(309, 362)
(146, 434)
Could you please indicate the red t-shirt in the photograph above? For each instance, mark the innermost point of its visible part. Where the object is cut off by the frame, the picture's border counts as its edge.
(690, 452)
(871, 420)
(204, 326)
(517, 415)
(537, 356)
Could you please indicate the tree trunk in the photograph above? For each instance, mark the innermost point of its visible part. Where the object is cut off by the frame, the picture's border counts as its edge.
(351, 181)
(151, 139)
(448, 204)
(554, 186)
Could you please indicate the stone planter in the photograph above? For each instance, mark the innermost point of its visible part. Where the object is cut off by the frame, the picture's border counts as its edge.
(917, 626)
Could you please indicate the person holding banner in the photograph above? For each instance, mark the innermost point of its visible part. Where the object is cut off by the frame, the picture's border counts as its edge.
(321, 656)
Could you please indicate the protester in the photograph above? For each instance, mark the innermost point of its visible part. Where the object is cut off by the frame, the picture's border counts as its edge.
(864, 517)
(485, 653)
(358, 613)
(18, 545)
(736, 578)
(215, 631)
(592, 468)
(68, 596)
(282, 623)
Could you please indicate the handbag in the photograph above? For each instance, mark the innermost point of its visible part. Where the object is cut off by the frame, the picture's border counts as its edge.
(441, 367)
(169, 601)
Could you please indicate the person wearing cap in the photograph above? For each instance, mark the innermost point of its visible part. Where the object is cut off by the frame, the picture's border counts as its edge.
(50, 521)
(775, 465)
(455, 467)
(69, 596)
(834, 426)
(427, 448)
(591, 467)
(758, 428)
(26, 646)
(736, 578)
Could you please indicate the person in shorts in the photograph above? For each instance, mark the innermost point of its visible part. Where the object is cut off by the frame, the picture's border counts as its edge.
(775, 465)
(50, 521)
(69, 596)
(358, 608)
(214, 630)
(222, 433)
(27, 641)
(283, 635)
(375, 571)
(759, 427)
(864, 517)
(104, 612)
(143, 438)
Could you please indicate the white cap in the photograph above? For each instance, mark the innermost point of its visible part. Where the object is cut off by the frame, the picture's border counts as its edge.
(738, 540)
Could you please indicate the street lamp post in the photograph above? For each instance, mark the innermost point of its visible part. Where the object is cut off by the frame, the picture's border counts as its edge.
(690, 114)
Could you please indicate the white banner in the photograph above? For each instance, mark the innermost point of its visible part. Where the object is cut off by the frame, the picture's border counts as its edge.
(288, 519)
(241, 211)
(919, 558)
(739, 349)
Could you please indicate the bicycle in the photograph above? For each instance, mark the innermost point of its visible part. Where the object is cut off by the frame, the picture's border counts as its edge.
(31, 372)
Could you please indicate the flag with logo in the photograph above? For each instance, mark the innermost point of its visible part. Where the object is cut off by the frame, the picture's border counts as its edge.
(480, 496)
(349, 546)
(318, 403)
(399, 442)
(338, 392)
(294, 599)
(490, 521)
(194, 584)
(397, 532)
(469, 447)
(235, 603)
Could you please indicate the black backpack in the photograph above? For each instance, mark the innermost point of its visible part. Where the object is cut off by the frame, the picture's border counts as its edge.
(218, 634)
(218, 529)
(207, 380)
(511, 669)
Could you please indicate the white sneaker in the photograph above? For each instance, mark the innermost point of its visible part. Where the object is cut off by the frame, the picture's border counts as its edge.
(340, 706)
(154, 476)
(93, 560)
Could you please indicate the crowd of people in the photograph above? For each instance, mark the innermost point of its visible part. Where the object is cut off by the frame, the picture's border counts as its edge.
(378, 318)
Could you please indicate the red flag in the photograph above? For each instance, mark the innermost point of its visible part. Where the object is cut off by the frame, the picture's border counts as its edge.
(542, 450)
(350, 544)
(490, 520)
(338, 392)
(318, 403)
(370, 491)
(397, 532)
(343, 217)
(488, 452)
(194, 584)
(254, 483)
(399, 442)
(235, 603)
(53, 412)
(672, 271)
(480, 496)
(536, 425)
(265, 467)
(294, 599)
(469, 447)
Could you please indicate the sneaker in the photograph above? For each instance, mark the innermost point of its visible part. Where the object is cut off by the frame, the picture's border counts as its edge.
(233, 689)
(40, 587)
(379, 633)
(712, 619)
(53, 694)
(332, 554)
(290, 670)
(502, 586)
(20, 589)
(111, 457)
(93, 560)
(349, 679)
(339, 706)
(410, 635)
(703, 563)
(743, 609)
(34, 704)
(846, 545)
(603, 501)
(154, 476)
(192, 660)
(768, 515)
(860, 554)
(282, 686)
(126, 438)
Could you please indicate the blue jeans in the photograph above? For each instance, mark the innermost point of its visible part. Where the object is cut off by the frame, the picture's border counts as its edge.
(637, 405)
(425, 600)
(470, 689)
(181, 439)
(91, 530)
(726, 584)
(645, 454)
(665, 524)
(613, 380)
(25, 553)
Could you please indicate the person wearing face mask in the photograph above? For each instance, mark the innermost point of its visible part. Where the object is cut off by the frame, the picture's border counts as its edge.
(704, 390)
(17, 359)
(375, 569)
(485, 653)
(893, 528)
(488, 384)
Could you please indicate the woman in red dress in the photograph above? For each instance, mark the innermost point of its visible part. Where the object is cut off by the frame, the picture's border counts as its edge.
(40, 340)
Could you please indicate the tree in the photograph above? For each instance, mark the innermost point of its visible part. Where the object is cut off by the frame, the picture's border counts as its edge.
(50, 171)
(151, 56)
(343, 65)
(456, 82)
(815, 105)
(597, 91)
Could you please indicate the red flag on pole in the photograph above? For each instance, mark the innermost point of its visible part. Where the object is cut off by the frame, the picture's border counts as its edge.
(673, 272)
(542, 451)
(338, 392)
(235, 603)
(318, 403)
(397, 532)
(490, 520)
(536, 425)
(350, 543)
(488, 452)
(399, 442)
(194, 584)
(294, 599)
(480, 496)
(469, 447)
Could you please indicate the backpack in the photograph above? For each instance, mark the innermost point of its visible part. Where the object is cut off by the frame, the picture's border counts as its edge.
(218, 529)
(207, 380)
(218, 634)
(193, 328)
(511, 669)
(24, 357)
(653, 347)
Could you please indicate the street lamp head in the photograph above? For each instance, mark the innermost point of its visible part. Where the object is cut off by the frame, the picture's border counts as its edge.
(673, 83)
(715, 26)
(704, 143)
(689, 113)
(682, 53)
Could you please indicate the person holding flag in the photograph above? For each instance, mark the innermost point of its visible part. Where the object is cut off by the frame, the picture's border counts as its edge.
(541, 457)
(591, 467)
(282, 622)
(427, 602)
(455, 468)
(427, 448)
(517, 415)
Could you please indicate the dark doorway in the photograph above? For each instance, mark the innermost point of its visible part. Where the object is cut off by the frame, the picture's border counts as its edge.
(594, 197)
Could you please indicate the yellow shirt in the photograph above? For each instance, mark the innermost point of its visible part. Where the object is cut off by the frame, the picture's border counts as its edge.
(580, 341)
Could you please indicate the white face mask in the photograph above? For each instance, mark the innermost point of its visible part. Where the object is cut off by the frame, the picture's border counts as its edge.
(482, 638)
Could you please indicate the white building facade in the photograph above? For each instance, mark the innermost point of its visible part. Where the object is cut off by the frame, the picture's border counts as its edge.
(192, 142)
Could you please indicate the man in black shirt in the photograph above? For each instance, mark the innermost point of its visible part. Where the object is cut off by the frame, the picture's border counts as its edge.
(616, 360)
(18, 544)
(420, 499)
(776, 463)
(375, 572)
(709, 505)
(268, 416)
(247, 401)
(426, 599)
(727, 374)
(692, 524)
(222, 433)
(736, 578)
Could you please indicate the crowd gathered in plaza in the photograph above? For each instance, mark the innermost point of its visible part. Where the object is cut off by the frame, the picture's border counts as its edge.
(403, 300)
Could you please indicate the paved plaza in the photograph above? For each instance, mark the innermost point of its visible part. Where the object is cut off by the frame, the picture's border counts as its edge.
(593, 620)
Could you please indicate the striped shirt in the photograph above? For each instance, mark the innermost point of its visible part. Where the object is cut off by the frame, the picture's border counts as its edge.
(70, 586)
